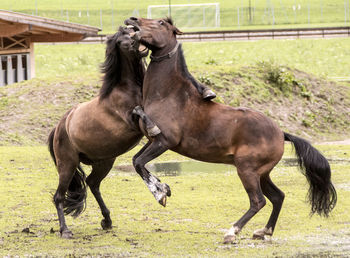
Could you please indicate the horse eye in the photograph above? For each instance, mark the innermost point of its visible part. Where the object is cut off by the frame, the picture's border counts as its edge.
(161, 22)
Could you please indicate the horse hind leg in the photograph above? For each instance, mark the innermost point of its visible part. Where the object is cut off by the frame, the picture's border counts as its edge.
(251, 182)
(98, 173)
(66, 172)
(276, 196)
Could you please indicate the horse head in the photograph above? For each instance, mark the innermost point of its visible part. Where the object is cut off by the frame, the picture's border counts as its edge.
(122, 60)
(122, 42)
(158, 35)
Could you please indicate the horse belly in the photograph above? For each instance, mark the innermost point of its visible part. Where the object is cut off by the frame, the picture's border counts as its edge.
(207, 149)
(99, 137)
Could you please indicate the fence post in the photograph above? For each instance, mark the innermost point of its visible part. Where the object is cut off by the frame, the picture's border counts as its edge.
(87, 12)
(2, 73)
(238, 17)
(112, 3)
(10, 75)
(101, 25)
(346, 11)
(20, 71)
(62, 8)
(204, 17)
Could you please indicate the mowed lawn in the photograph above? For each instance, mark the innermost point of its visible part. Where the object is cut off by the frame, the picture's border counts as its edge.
(202, 207)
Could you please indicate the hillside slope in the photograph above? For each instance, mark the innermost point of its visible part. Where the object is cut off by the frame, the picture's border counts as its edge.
(310, 107)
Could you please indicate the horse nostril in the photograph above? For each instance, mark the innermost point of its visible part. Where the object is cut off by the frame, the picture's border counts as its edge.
(133, 18)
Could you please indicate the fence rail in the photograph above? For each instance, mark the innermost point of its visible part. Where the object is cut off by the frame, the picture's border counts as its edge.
(231, 35)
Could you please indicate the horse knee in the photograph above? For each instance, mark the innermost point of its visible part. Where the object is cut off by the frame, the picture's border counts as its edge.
(277, 200)
(134, 161)
(90, 182)
(138, 164)
(58, 198)
(257, 205)
(261, 203)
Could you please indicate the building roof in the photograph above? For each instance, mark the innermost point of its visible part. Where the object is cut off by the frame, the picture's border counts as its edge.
(40, 29)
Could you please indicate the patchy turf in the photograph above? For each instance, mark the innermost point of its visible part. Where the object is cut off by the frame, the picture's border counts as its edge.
(301, 103)
(201, 209)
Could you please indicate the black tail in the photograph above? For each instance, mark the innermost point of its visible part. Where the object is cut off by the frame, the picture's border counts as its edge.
(50, 143)
(75, 199)
(322, 195)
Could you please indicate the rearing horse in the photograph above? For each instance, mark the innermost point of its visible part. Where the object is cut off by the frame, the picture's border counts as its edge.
(97, 131)
(217, 133)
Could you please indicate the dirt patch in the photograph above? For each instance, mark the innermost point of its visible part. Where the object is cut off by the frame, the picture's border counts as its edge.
(307, 106)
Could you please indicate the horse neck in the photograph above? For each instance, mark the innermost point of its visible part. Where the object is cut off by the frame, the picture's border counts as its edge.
(121, 71)
(132, 69)
(160, 77)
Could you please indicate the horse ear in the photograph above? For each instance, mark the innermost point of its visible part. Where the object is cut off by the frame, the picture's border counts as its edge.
(177, 31)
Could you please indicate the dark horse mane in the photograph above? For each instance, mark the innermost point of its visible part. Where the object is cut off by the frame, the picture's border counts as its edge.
(169, 20)
(184, 69)
(112, 67)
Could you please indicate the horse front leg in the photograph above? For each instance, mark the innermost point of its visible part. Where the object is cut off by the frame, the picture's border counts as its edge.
(151, 128)
(149, 152)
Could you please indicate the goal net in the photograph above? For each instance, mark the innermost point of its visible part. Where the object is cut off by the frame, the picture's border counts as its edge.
(188, 15)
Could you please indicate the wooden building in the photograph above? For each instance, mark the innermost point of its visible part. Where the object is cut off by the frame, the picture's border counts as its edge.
(19, 32)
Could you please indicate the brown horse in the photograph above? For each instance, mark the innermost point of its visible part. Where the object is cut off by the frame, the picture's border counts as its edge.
(217, 133)
(98, 131)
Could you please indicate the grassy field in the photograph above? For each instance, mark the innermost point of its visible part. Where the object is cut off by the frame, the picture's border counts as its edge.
(204, 204)
(201, 209)
(234, 14)
(320, 57)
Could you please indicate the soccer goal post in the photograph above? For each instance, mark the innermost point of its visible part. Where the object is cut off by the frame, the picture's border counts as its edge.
(188, 15)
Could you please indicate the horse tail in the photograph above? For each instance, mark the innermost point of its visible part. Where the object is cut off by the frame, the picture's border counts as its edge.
(322, 195)
(50, 144)
(75, 199)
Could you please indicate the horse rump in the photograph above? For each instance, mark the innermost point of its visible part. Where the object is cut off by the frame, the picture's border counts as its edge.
(75, 197)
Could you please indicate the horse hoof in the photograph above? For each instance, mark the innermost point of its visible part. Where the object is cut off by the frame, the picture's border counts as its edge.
(229, 239)
(259, 234)
(67, 234)
(137, 110)
(208, 94)
(106, 224)
(167, 189)
(162, 201)
(154, 131)
(258, 237)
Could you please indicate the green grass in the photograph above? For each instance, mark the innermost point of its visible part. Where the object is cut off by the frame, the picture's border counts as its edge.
(202, 207)
(114, 12)
(321, 57)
